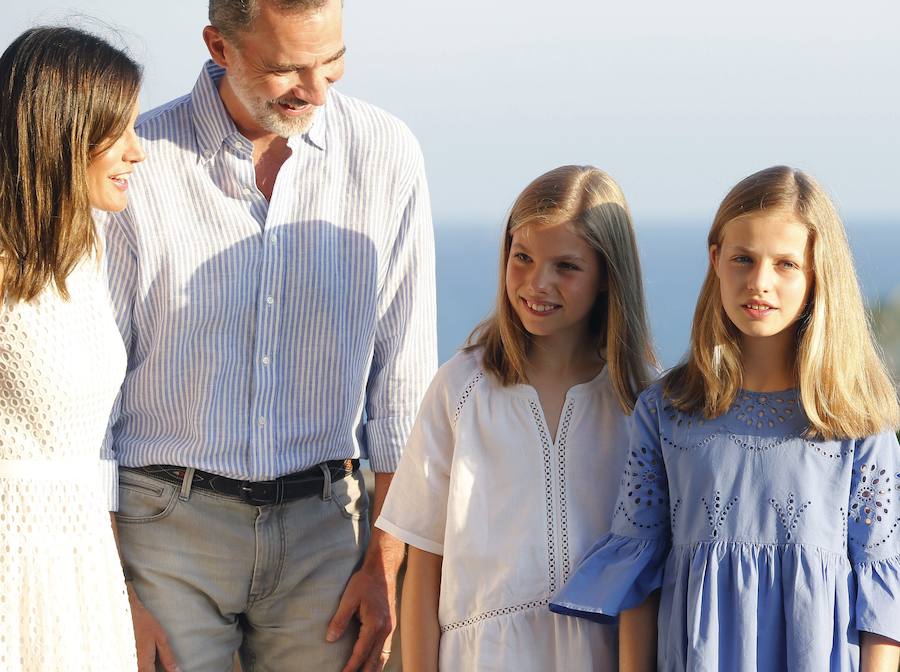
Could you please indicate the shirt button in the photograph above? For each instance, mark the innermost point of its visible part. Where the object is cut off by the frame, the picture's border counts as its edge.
(266, 360)
(247, 191)
(273, 239)
(270, 300)
(238, 144)
(262, 421)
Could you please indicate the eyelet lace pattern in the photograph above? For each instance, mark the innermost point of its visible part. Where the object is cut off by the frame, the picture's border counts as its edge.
(494, 613)
(716, 512)
(833, 450)
(675, 506)
(563, 434)
(872, 504)
(549, 465)
(765, 411)
(63, 604)
(763, 446)
(464, 397)
(647, 494)
(548, 494)
(789, 514)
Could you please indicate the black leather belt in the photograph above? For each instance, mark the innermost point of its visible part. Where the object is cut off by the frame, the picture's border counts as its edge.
(257, 493)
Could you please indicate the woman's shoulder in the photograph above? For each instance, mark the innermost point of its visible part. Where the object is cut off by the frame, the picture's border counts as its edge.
(457, 381)
(460, 371)
(653, 397)
(657, 409)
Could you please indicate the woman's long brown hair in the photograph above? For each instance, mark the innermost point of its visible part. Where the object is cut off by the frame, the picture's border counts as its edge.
(66, 96)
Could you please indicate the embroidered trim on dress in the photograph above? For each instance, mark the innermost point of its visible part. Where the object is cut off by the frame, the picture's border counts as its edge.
(700, 444)
(761, 409)
(562, 435)
(675, 505)
(464, 397)
(875, 544)
(789, 514)
(844, 529)
(644, 474)
(869, 506)
(774, 443)
(717, 515)
(840, 454)
(494, 613)
(678, 418)
(548, 491)
(620, 508)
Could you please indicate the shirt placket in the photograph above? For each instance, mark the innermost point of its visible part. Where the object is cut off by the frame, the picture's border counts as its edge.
(262, 412)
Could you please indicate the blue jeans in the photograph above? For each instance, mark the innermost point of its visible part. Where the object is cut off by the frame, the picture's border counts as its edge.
(222, 576)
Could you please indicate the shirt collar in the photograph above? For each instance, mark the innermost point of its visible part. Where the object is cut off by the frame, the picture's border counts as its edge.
(317, 132)
(212, 122)
(214, 126)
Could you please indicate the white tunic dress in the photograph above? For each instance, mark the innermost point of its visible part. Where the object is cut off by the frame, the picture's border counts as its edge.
(63, 604)
(512, 512)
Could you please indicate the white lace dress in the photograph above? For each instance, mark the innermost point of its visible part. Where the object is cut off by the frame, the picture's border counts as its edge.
(63, 604)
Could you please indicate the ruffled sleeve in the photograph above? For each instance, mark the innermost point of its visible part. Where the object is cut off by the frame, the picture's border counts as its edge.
(617, 573)
(873, 532)
(626, 565)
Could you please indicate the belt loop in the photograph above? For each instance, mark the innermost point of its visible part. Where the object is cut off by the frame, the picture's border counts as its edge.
(186, 484)
(326, 486)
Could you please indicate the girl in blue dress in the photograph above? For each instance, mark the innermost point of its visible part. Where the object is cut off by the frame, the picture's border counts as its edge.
(758, 521)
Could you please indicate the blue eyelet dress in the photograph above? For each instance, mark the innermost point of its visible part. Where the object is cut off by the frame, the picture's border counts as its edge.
(772, 550)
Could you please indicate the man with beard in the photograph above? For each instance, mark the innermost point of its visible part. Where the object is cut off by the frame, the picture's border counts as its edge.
(274, 283)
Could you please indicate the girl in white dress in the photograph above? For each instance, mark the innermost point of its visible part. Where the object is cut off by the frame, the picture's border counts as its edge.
(512, 468)
(67, 144)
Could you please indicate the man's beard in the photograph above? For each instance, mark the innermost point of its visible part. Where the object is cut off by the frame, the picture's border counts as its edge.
(266, 113)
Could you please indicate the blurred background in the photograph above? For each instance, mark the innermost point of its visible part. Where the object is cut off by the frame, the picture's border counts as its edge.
(678, 101)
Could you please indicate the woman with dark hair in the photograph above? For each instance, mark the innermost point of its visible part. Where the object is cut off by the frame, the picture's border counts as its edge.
(67, 145)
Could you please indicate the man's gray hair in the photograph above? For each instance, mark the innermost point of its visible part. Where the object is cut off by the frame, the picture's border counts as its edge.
(232, 17)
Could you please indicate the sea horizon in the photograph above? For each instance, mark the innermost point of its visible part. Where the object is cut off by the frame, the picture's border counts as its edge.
(673, 261)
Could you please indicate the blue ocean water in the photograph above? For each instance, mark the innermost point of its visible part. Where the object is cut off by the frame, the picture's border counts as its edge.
(673, 258)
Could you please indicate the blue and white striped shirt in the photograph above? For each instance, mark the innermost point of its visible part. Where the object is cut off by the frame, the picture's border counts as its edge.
(266, 337)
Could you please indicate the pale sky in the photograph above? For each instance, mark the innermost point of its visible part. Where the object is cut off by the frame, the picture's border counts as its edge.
(677, 100)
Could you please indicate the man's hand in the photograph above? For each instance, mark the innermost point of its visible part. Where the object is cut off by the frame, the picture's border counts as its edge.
(371, 594)
(150, 638)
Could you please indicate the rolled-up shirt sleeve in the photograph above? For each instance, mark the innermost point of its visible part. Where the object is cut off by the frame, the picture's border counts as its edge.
(405, 352)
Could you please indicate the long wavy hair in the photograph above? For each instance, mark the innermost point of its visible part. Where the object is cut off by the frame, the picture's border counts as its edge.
(592, 202)
(844, 386)
(67, 96)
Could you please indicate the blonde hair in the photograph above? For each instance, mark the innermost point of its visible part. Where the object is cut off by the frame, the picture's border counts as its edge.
(844, 386)
(591, 201)
(67, 95)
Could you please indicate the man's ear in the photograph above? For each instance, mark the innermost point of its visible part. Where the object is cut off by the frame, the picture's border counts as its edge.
(215, 43)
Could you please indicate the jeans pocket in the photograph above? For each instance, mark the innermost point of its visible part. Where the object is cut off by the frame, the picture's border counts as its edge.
(143, 499)
(350, 496)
